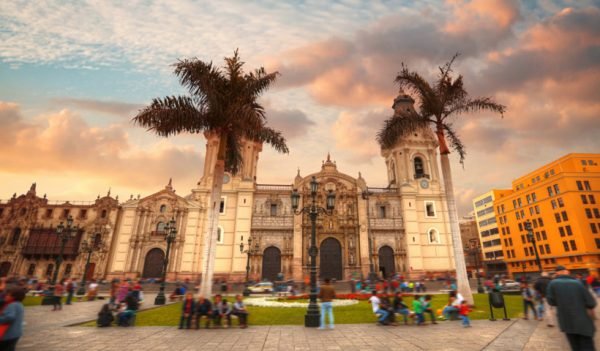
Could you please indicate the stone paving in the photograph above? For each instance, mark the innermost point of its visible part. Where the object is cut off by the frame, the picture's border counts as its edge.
(47, 330)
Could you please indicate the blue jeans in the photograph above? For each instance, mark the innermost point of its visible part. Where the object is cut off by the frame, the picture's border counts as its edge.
(404, 312)
(448, 311)
(420, 318)
(326, 307)
(465, 320)
(383, 314)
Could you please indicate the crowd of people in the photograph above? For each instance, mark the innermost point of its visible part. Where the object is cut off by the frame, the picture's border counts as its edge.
(216, 312)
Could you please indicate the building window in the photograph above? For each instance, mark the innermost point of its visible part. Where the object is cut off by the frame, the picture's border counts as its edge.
(433, 236)
(65, 213)
(531, 211)
(220, 235)
(430, 208)
(68, 269)
(557, 217)
(541, 248)
(588, 213)
(561, 230)
(49, 270)
(541, 222)
(103, 214)
(579, 185)
(419, 169)
(537, 209)
(526, 251)
(31, 269)
(83, 214)
(586, 185)
(566, 246)
(222, 205)
(550, 193)
(593, 227)
(520, 227)
(556, 189)
(564, 216)
(528, 197)
(592, 199)
(382, 212)
(584, 199)
(544, 237)
(49, 213)
(523, 239)
(533, 197)
(517, 215)
(569, 231)
(273, 209)
(547, 249)
(519, 202)
(554, 205)
(561, 203)
(15, 236)
(597, 243)
(510, 241)
(514, 203)
(163, 208)
(596, 213)
(573, 245)
(160, 227)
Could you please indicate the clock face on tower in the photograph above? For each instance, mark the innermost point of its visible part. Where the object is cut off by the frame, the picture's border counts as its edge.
(424, 183)
(226, 178)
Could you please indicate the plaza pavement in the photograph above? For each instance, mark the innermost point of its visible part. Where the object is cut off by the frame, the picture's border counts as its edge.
(48, 331)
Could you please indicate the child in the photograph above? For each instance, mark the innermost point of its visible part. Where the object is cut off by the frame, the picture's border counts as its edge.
(187, 310)
(538, 301)
(418, 310)
(463, 313)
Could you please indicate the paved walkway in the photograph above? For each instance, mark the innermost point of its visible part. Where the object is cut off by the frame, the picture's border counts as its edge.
(48, 331)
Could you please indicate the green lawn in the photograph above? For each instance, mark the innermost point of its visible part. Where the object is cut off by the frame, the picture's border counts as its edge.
(32, 301)
(360, 313)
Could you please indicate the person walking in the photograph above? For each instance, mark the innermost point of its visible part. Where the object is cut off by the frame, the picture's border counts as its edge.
(327, 294)
(540, 286)
(463, 313)
(11, 319)
(59, 289)
(70, 290)
(575, 309)
(527, 294)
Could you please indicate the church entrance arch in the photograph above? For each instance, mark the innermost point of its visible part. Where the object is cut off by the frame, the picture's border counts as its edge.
(386, 261)
(330, 259)
(153, 264)
(271, 263)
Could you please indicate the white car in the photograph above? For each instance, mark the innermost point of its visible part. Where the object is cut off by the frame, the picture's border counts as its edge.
(264, 287)
(510, 285)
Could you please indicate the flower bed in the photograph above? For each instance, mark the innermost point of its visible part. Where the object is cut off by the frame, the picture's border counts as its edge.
(275, 302)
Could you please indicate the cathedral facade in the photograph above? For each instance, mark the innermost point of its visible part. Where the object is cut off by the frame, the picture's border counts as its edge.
(401, 227)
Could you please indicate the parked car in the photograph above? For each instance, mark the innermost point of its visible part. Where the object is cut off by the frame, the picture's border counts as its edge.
(510, 284)
(263, 287)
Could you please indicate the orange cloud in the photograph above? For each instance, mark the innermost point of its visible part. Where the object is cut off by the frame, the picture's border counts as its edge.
(482, 14)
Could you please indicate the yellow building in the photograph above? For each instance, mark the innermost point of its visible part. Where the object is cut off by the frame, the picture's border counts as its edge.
(561, 200)
(489, 234)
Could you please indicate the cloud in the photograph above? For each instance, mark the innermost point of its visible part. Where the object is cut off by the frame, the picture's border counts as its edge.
(63, 143)
(354, 133)
(292, 123)
(109, 107)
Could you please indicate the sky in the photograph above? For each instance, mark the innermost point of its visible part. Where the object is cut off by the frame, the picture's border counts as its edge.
(74, 73)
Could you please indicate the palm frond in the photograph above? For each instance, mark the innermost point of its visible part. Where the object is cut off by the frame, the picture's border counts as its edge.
(271, 137)
(399, 126)
(171, 115)
(455, 141)
(419, 87)
(233, 153)
(475, 105)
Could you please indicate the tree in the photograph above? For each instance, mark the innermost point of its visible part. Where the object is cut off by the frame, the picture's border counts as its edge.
(221, 103)
(437, 105)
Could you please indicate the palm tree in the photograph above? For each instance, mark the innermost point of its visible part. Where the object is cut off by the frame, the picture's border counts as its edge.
(437, 104)
(222, 103)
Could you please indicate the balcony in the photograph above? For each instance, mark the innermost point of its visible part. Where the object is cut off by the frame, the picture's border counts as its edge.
(274, 187)
(386, 223)
(272, 222)
(422, 175)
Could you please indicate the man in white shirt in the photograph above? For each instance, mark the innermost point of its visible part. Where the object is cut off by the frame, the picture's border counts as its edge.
(376, 302)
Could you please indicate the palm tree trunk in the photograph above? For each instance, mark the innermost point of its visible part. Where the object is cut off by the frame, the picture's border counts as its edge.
(210, 239)
(462, 281)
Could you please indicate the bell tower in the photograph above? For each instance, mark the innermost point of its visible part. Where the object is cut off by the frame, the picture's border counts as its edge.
(413, 170)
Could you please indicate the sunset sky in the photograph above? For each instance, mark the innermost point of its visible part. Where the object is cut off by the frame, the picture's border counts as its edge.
(73, 74)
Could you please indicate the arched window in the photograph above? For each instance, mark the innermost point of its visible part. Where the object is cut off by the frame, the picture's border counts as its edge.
(31, 269)
(160, 227)
(433, 236)
(163, 208)
(49, 270)
(68, 269)
(16, 236)
(103, 214)
(419, 169)
(392, 172)
(97, 240)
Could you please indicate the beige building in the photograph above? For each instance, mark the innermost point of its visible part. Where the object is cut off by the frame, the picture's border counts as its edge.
(489, 235)
(406, 220)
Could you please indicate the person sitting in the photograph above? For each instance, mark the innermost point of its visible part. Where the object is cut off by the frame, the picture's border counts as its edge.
(380, 312)
(400, 307)
(203, 308)
(418, 309)
(105, 316)
(221, 309)
(451, 310)
(386, 304)
(187, 310)
(125, 317)
(239, 310)
(426, 303)
(177, 293)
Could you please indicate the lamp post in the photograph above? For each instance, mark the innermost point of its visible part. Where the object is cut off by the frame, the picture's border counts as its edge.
(247, 252)
(475, 250)
(170, 236)
(64, 233)
(313, 314)
(531, 238)
(372, 275)
(88, 249)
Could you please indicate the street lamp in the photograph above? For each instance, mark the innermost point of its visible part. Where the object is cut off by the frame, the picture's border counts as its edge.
(531, 238)
(313, 314)
(64, 234)
(89, 249)
(372, 275)
(247, 252)
(475, 250)
(170, 236)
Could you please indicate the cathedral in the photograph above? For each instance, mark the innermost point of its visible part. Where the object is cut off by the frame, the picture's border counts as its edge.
(402, 227)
